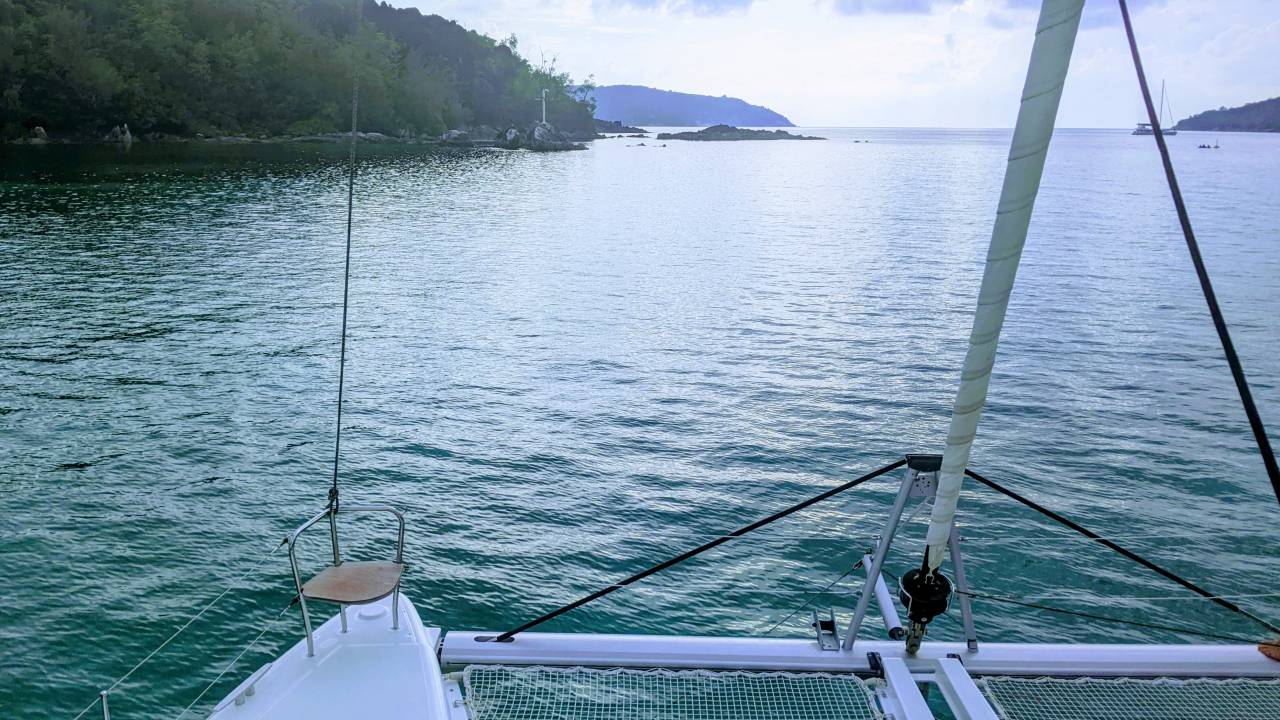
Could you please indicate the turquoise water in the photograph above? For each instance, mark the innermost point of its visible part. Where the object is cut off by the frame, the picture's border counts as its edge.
(567, 366)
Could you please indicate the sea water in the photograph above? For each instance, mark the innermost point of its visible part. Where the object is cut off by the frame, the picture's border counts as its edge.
(567, 367)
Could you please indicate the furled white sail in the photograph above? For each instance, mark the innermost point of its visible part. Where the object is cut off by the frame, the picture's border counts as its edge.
(1050, 57)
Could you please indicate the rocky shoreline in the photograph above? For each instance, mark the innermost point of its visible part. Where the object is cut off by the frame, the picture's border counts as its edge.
(720, 133)
(617, 128)
(538, 137)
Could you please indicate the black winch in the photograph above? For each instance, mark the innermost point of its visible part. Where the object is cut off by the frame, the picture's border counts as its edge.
(925, 595)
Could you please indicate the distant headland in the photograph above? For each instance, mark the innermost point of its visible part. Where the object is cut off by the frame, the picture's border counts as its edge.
(645, 106)
(1262, 116)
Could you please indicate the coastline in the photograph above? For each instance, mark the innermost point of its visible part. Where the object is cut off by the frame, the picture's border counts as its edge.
(534, 140)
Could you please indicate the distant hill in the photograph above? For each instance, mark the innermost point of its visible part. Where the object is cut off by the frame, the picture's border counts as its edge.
(639, 105)
(1262, 116)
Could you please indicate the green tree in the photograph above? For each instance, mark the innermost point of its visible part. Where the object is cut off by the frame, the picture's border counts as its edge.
(260, 66)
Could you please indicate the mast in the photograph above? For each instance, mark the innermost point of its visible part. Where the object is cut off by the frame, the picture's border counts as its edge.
(1162, 104)
(1046, 73)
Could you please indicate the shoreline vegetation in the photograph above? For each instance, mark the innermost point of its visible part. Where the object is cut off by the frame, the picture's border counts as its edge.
(540, 137)
(271, 71)
(1261, 116)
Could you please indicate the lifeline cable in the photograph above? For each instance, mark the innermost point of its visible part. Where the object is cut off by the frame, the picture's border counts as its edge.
(181, 629)
(1217, 599)
(346, 270)
(813, 594)
(1206, 287)
(508, 635)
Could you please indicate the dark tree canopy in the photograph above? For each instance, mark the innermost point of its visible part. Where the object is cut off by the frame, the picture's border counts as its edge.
(260, 67)
(1262, 116)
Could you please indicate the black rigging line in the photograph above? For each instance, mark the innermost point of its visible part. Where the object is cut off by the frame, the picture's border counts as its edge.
(508, 635)
(1127, 553)
(346, 269)
(1219, 323)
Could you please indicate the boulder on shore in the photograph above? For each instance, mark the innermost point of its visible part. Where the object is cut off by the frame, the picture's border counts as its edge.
(543, 137)
(119, 134)
(456, 137)
(540, 137)
(510, 139)
(729, 132)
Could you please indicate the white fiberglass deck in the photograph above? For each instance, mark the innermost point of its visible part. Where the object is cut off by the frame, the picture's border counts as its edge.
(721, 653)
(371, 671)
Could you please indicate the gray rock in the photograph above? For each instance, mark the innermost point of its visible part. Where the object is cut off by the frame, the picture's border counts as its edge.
(543, 133)
(119, 134)
(615, 126)
(456, 137)
(729, 133)
(38, 133)
(331, 138)
(512, 139)
(543, 137)
(484, 133)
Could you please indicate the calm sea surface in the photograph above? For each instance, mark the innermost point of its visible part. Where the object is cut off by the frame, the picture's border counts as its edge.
(565, 367)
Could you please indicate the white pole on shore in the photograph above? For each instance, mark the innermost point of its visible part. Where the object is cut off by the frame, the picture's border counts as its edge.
(1050, 57)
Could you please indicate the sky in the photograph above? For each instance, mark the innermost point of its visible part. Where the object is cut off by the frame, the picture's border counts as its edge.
(874, 63)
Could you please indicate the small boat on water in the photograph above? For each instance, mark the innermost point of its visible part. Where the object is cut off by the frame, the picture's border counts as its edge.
(1146, 129)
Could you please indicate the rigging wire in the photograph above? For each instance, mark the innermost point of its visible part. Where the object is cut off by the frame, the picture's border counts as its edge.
(1214, 597)
(508, 635)
(346, 268)
(1206, 286)
(813, 594)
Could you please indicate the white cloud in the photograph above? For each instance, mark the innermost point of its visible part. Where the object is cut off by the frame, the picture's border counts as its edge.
(893, 62)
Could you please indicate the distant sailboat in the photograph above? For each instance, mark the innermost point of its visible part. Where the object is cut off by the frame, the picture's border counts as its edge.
(1145, 128)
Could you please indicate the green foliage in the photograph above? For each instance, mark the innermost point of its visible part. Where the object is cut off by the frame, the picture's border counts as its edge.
(261, 67)
(1262, 116)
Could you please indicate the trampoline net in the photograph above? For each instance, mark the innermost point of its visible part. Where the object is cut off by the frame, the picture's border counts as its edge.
(1132, 699)
(498, 692)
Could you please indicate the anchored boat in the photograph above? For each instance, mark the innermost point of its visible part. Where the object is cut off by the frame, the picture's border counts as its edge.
(1146, 128)
(377, 658)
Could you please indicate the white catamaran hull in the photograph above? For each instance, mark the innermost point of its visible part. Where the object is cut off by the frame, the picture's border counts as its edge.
(373, 671)
(370, 671)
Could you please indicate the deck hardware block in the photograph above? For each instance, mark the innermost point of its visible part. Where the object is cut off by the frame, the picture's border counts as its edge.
(826, 630)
